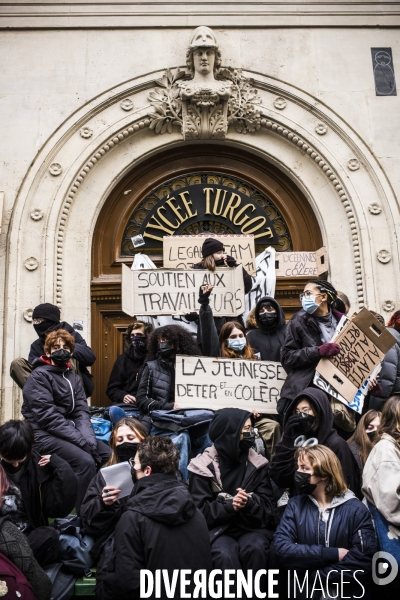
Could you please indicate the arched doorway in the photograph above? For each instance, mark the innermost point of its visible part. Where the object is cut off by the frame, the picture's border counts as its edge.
(126, 211)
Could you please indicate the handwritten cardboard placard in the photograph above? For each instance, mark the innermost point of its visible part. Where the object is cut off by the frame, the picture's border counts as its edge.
(363, 343)
(176, 291)
(184, 251)
(203, 382)
(301, 264)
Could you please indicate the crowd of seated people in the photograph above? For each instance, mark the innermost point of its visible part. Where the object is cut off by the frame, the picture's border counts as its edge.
(316, 499)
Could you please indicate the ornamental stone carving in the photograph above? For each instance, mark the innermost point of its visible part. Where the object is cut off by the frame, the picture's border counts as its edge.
(127, 104)
(205, 99)
(280, 103)
(353, 164)
(321, 129)
(86, 132)
(384, 256)
(375, 208)
(31, 263)
(55, 169)
(28, 315)
(36, 214)
(388, 305)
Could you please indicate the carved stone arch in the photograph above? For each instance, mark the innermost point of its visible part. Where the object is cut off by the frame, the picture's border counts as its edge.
(75, 171)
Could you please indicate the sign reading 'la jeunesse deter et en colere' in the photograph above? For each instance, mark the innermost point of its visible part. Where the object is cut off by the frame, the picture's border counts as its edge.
(204, 202)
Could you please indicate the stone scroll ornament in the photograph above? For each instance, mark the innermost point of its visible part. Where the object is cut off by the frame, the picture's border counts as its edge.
(206, 99)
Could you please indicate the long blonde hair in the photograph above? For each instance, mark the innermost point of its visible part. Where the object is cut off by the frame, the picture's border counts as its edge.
(208, 262)
(325, 464)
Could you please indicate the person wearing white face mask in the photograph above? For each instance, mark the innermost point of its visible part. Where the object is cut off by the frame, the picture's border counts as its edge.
(308, 336)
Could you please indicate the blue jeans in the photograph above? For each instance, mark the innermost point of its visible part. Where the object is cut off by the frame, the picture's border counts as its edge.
(117, 413)
(184, 442)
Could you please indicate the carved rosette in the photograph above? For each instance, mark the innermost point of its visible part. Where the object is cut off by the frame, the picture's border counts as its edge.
(384, 256)
(388, 305)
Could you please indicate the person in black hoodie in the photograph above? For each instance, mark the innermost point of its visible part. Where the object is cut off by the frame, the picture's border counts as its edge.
(39, 488)
(308, 336)
(46, 318)
(308, 420)
(123, 382)
(101, 507)
(229, 483)
(269, 336)
(161, 527)
(55, 404)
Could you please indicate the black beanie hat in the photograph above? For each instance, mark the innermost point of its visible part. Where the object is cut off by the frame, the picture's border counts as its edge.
(47, 311)
(210, 246)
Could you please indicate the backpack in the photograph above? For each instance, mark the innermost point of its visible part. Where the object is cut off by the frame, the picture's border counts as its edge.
(178, 420)
(13, 583)
(74, 545)
(102, 428)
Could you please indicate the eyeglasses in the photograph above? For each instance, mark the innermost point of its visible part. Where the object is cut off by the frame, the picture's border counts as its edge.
(308, 294)
(306, 411)
(248, 430)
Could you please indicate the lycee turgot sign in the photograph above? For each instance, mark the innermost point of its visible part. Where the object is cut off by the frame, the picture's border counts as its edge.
(203, 202)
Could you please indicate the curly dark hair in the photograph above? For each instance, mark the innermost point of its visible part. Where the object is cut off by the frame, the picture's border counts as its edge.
(159, 453)
(180, 337)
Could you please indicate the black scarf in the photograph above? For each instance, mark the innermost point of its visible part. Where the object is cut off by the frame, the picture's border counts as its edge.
(225, 430)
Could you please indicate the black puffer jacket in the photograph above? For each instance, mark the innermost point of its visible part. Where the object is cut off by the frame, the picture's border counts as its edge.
(268, 341)
(83, 354)
(389, 376)
(156, 386)
(282, 466)
(55, 401)
(161, 528)
(124, 376)
(300, 355)
(49, 491)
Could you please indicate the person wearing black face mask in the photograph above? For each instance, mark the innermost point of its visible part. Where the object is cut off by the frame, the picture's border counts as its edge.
(325, 528)
(101, 507)
(55, 404)
(361, 442)
(308, 416)
(157, 389)
(123, 383)
(45, 319)
(267, 333)
(230, 484)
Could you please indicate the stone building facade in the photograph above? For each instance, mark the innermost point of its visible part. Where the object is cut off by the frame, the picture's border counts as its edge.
(88, 136)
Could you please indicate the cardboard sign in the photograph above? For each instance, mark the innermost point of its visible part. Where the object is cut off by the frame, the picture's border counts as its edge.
(301, 264)
(184, 251)
(363, 342)
(176, 291)
(203, 382)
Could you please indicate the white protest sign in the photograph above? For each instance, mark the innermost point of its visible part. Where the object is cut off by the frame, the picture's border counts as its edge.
(176, 291)
(203, 382)
(301, 264)
(183, 251)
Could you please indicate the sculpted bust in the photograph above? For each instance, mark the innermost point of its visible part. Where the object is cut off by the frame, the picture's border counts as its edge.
(205, 99)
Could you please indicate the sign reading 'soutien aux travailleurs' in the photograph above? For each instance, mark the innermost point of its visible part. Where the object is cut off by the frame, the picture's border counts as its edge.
(214, 383)
(176, 291)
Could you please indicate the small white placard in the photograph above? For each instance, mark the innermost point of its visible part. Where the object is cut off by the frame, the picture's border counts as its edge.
(119, 476)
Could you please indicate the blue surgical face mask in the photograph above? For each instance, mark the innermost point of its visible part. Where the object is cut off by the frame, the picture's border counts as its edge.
(309, 304)
(237, 344)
